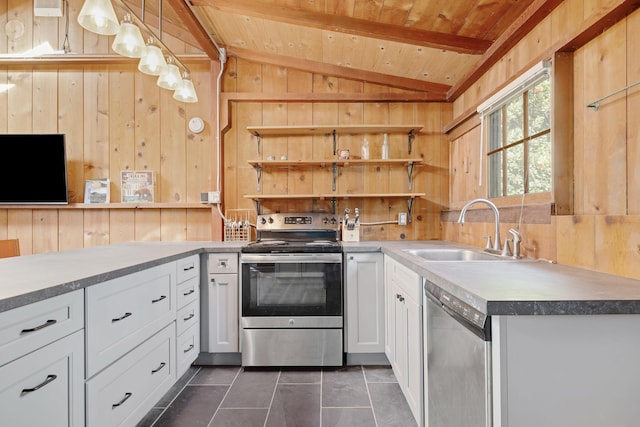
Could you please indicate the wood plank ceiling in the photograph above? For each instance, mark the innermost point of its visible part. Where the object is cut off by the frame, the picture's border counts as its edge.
(434, 46)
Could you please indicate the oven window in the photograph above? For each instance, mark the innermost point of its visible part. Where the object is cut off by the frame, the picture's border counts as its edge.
(288, 289)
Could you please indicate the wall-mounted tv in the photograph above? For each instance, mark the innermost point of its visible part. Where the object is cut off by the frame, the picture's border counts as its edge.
(33, 169)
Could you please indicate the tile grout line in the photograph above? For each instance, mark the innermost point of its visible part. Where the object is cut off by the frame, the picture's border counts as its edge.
(273, 395)
(366, 383)
(175, 397)
(321, 382)
(224, 397)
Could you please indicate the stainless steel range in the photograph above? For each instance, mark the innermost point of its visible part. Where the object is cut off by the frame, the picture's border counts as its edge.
(291, 292)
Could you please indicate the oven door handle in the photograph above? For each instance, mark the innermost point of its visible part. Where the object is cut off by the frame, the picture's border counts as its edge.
(291, 258)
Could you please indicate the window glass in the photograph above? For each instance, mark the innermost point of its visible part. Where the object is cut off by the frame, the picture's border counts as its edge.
(519, 142)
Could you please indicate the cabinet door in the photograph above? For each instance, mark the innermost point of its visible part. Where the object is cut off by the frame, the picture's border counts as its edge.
(222, 318)
(399, 363)
(46, 387)
(364, 284)
(414, 366)
(389, 313)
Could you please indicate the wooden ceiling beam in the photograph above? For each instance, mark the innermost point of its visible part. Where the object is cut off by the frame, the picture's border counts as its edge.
(181, 33)
(532, 16)
(347, 25)
(191, 21)
(438, 90)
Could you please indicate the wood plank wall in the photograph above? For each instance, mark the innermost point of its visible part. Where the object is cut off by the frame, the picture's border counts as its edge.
(115, 118)
(240, 146)
(603, 233)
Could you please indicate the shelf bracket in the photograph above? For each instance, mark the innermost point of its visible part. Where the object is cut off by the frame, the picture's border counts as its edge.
(409, 207)
(410, 173)
(257, 201)
(258, 139)
(410, 138)
(335, 142)
(334, 173)
(259, 177)
(333, 205)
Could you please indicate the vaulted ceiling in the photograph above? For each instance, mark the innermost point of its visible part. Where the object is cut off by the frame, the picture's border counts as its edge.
(435, 46)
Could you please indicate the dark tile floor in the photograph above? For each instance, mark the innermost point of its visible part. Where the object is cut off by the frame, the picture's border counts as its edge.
(353, 396)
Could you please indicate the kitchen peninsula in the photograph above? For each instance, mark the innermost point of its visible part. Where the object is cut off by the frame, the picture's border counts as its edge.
(559, 334)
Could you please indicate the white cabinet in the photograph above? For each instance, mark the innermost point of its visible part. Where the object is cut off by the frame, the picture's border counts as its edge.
(32, 326)
(123, 312)
(220, 303)
(364, 302)
(42, 363)
(403, 327)
(125, 391)
(188, 316)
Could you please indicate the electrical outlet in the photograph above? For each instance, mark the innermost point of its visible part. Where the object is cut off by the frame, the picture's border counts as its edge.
(210, 197)
(402, 218)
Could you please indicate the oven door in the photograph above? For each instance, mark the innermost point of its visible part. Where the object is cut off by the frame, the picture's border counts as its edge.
(291, 285)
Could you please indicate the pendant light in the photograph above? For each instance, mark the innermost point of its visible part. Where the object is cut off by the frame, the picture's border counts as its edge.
(170, 75)
(99, 17)
(129, 41)
(185, 91)
(152, 61)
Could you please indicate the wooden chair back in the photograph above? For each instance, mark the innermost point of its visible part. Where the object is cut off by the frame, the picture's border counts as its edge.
(9, 248)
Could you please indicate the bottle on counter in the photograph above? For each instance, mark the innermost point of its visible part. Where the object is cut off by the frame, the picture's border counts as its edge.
(365, 149)
(385, 147)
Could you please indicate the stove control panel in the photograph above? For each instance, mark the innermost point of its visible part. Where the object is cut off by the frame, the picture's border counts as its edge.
(290, 221)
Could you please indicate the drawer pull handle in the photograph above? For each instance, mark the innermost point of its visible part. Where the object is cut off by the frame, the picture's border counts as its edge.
(124, 399)
(189, 317)
(153, 301)
(189, 268)
(117, 319)
(189, 349)
(162, 365)
(50, 378)
(189, 293)
(37, 328)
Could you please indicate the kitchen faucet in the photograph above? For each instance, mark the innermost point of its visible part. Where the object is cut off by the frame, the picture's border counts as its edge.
(463, 212)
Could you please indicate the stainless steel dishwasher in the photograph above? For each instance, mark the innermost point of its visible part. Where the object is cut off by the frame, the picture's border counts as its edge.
(457, 362)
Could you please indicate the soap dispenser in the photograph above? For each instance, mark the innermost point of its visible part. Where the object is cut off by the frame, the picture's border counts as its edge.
(385, 147)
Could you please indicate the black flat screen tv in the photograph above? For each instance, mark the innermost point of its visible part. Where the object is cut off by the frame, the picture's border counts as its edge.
(33, 169)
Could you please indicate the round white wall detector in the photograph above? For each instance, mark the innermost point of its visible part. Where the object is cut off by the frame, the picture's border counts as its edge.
(196, 125)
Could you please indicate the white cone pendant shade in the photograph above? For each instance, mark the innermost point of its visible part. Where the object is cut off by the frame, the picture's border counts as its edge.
(170, 76)
(129, 41)
(185, 91)
(99, 17)
(152, 61)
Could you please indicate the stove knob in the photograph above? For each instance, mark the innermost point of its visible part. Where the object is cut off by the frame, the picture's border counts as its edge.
(270, 220)
(263, 220)
(333, 220)
(325, 220)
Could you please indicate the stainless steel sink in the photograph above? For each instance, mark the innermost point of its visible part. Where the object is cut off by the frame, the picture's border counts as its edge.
(451, 254)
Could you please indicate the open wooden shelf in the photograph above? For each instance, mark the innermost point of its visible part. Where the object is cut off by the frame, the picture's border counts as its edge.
(331, 129)
(111, 206)
(331, 196)
(330, 162)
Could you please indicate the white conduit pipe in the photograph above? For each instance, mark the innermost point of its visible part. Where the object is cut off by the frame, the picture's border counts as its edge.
(223, 61)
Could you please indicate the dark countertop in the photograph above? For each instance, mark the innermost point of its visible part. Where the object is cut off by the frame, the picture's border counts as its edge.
(512, 287)
(31, 278)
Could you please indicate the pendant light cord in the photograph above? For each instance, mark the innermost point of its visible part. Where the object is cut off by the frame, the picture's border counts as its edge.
(66, 45)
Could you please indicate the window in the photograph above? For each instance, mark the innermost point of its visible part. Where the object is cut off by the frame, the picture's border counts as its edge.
(519, 141)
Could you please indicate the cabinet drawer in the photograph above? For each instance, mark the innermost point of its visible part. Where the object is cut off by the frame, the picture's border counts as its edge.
(188, 292)
(223, 263)
(188, 268)
(124, 392)
(187, 317)
(188, 348)
(45, 388)
(123, 312)
(30, 327)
